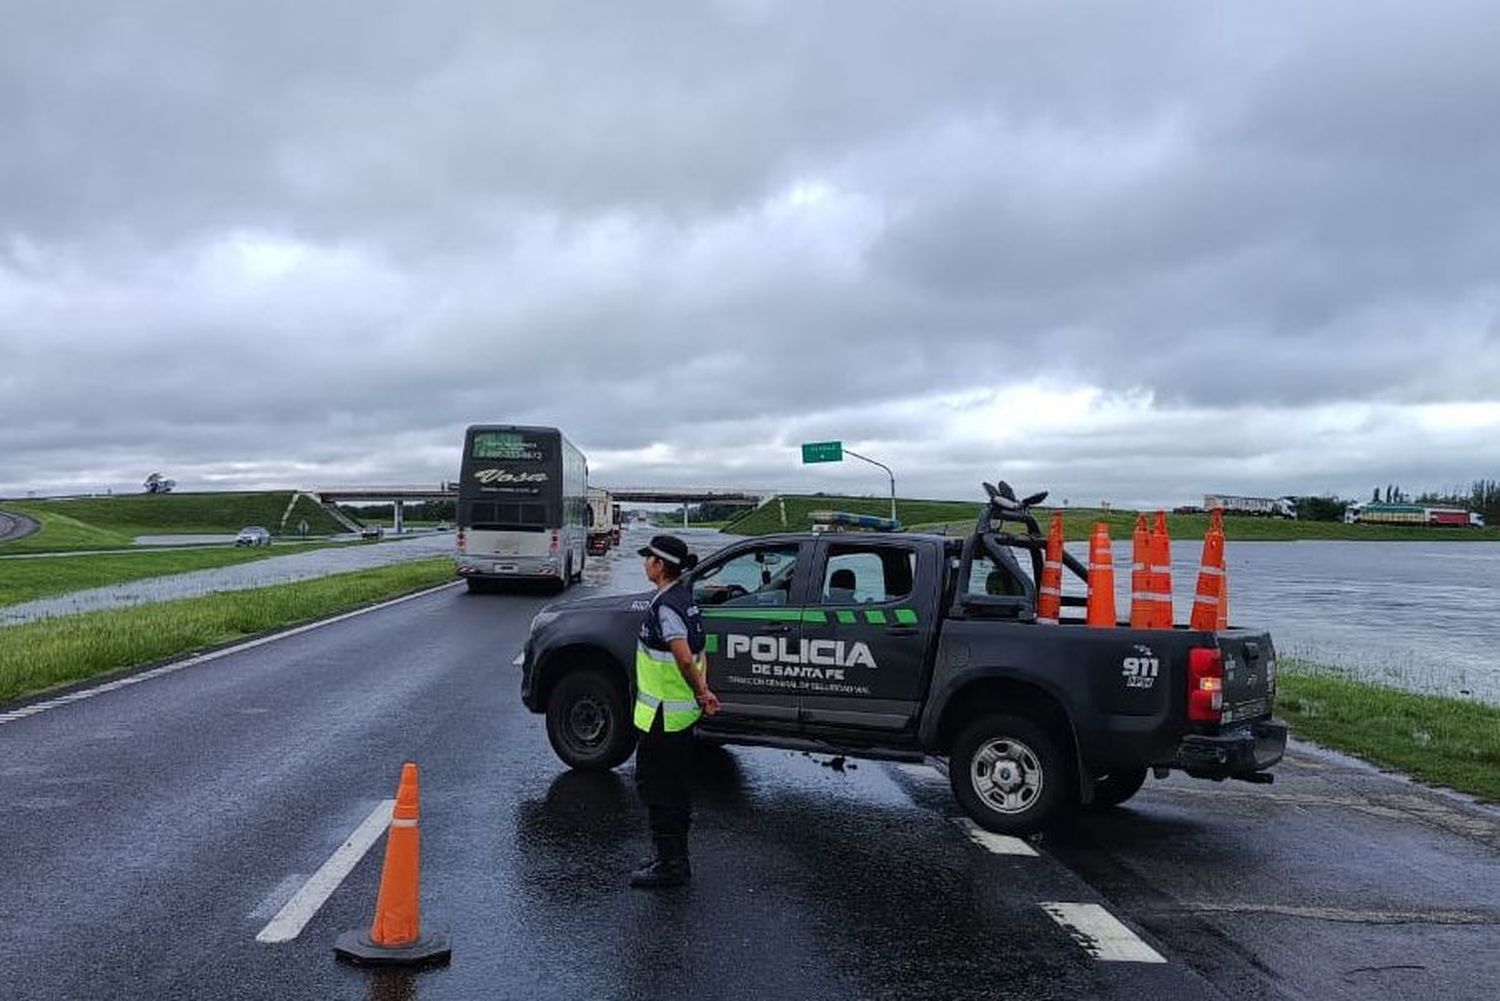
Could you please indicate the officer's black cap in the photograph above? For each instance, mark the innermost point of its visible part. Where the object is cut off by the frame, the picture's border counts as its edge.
(668, 548)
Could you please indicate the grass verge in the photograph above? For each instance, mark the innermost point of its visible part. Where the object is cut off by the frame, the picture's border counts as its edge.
(109, 522)
(27, 580)
(1450, 742)
(42, 655)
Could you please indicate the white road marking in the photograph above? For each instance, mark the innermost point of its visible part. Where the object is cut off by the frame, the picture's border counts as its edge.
(922, 773)
(1000, 844)
(297, 912)
(1101, 934)
(135, 679)
(277, 898)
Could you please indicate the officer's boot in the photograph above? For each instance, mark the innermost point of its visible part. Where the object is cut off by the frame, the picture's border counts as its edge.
(669, 869)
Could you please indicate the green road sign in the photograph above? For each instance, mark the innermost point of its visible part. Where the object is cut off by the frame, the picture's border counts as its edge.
(823, 451)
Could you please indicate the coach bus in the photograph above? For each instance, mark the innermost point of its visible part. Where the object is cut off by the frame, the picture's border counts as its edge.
(522, 506)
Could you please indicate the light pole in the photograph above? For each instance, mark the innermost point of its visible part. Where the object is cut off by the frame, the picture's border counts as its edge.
(850, 451)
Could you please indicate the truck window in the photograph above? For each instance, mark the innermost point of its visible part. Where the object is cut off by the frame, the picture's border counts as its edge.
(761, 577)
(857, 575)
(1008, 579)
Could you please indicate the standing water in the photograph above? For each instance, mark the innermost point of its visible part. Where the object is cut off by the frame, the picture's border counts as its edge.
(1415, 615)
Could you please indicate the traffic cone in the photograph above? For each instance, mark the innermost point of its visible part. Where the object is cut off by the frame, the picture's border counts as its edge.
(1101, 604)
(395, 937)
(1142, 598)
(1049, 595)
(1210, 576)
(1221, 621)
(1161, 572)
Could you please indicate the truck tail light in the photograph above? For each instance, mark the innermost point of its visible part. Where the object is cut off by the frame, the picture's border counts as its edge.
(1205, 684)
(552, 546)
(463, 540)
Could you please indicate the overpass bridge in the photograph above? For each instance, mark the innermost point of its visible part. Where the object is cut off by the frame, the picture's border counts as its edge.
(400, 495)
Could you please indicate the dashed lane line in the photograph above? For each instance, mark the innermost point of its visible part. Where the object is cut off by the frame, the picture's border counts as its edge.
(1094, 928)
(1101, 934)
(999, 844)
(298, 911)
(36, 708)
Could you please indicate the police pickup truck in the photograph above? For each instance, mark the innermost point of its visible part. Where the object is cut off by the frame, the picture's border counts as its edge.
(905, 646)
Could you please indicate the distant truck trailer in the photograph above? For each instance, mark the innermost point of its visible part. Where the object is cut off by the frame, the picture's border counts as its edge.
(601, 521)
(1413, 514)
(1264, 507)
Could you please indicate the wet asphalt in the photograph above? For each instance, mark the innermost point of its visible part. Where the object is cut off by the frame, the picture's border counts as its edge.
(151, 831)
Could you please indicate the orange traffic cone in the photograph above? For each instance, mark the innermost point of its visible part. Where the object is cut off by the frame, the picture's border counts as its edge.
(1221, 621)
(395, 937)
(1049, 595)
(1101, 605)
(1161, 572)
(1210, 576)
(1142, 600)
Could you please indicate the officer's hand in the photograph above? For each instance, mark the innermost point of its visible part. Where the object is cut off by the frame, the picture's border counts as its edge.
(709, 702)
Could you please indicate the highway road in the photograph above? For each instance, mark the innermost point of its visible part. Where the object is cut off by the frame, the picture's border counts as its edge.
(153, 830)
(15, 526)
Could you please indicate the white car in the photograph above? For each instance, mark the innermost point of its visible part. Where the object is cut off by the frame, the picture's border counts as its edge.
(253, 535)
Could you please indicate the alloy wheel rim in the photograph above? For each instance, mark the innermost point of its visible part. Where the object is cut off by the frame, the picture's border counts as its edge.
(1006, 775)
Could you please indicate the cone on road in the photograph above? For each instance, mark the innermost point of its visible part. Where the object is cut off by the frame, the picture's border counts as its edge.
(1161, 572)
(395, 937)
(1211, 576)
(1101, 603)
(1049, 595)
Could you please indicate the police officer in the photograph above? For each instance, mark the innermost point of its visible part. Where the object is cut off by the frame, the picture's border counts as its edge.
(671, 694)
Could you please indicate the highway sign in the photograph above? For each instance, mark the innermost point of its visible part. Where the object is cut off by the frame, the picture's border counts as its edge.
(823, 451)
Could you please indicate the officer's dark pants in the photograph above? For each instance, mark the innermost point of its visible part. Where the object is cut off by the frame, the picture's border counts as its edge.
(662, 763)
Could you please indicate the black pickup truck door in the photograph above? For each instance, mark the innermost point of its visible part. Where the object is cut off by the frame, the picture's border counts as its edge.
(866, 631)
(751, 598)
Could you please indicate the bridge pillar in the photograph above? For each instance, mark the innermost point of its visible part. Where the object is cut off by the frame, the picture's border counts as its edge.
(400, 525)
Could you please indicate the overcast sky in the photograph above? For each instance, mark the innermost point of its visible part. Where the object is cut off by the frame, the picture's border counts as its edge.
(1127, 251)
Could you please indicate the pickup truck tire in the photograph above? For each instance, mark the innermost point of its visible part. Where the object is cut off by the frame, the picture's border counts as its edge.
(478, 585)
(1114, 787)
(1009, 774)
(588, 721)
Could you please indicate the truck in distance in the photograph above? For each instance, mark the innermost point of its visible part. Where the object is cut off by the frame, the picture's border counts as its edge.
(1412, 514)
(906, 646)
(1264, 507)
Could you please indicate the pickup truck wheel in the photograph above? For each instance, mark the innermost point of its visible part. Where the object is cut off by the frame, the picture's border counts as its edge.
(1116, 786)
(588, 721)
(1009, 774)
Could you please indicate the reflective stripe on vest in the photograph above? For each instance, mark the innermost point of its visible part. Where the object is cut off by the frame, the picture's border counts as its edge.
(660, 685)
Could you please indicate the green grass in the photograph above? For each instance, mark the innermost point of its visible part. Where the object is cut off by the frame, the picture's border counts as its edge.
(42, 655)
(1450, 742)
(26, 580)
(113, 522)
(59, 531)
(766, 519)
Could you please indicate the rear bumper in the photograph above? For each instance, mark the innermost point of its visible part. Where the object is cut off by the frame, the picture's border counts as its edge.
(508, 567)
(1250, 747)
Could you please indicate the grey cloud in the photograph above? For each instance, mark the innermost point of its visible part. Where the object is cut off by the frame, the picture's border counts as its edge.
(591, 216)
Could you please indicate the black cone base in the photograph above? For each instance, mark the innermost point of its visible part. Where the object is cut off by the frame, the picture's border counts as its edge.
(355, 947)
